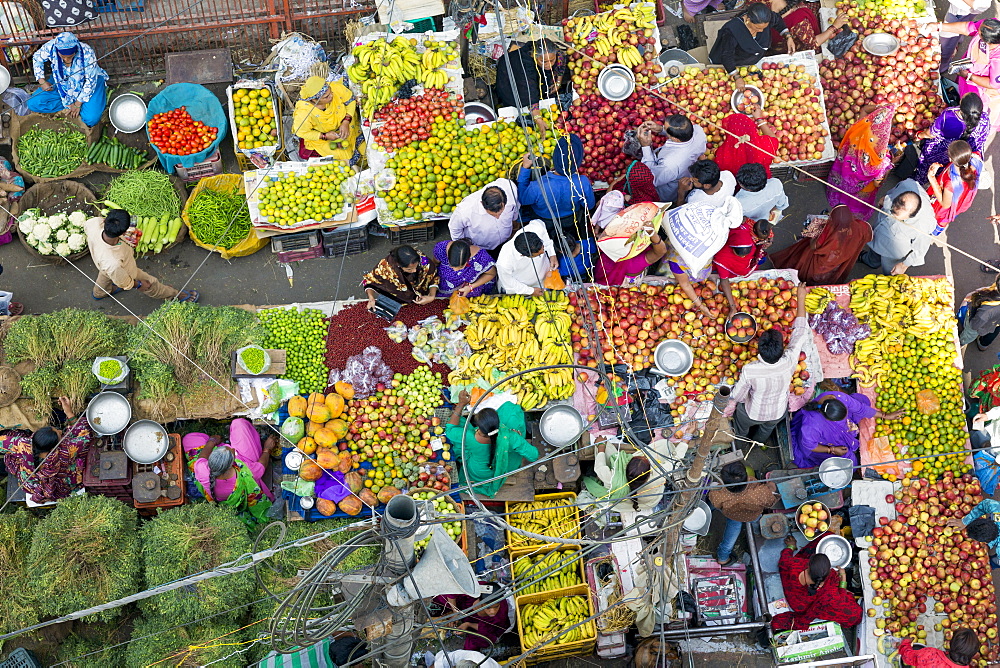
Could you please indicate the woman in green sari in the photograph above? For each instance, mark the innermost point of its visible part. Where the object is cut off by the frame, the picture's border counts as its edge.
(232, 475)
(494, 444)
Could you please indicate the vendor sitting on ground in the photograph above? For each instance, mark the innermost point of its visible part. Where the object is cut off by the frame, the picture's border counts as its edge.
(982, 524)
(463, 268)
(827, 427)
(630, 477)
(232, 475)
(406, 275)
(964, 645)
(813, 590)
(48, 464)
(326, 120)
(744, 251)
(482, 627)
(495, 447)
(77, 83)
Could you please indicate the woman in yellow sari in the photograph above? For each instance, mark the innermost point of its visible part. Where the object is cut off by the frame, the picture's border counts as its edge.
(326, 121)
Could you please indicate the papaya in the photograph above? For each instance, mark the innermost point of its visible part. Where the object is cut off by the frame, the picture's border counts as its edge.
(338, 427)
(306, 445)
(327, 459)
(316, 409)
(346, 463)
(335, 404)
(344, 389)
(326, 507)
(387, 493)
(350, 505)
(353, 481)
(297, 406)
(310, 471)
(368, 498)
(325, 438)
(313, 427)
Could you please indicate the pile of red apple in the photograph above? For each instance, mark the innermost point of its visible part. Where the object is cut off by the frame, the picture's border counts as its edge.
(595, 42)
(793, 105)
(601, 124)
(916, 557)
(907, 78)
(631, 321)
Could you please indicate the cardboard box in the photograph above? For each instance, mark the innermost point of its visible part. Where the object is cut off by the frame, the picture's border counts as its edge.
(820, 639)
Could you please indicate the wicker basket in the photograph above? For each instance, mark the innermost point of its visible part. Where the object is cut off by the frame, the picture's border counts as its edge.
(52, 197)
(10, 386)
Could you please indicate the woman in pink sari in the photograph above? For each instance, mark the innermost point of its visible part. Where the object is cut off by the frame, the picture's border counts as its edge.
(983, 73)
(862, 162)
(953, 188)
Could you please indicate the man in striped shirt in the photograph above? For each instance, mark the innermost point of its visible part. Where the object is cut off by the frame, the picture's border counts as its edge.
(762, 390)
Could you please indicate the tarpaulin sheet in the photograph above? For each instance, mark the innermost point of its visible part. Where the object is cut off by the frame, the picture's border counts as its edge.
(203, 106)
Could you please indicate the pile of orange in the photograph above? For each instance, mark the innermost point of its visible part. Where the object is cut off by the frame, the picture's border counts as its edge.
(256, 125)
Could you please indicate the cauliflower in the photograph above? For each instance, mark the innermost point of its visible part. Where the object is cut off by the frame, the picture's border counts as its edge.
(77, 218)
(77, 242)
(62, 235)
(41, 231)
(44, 247)
(58, 220)
(26, 225)
(63, 250)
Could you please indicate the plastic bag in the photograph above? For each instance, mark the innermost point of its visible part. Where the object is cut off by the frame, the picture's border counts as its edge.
(460, 305)
(299, 487)
(553, 281)
(364, 371)
(396, 331)
(842, 42)
(698, 231)
(987, 470)
(927, 402)
(276, 394)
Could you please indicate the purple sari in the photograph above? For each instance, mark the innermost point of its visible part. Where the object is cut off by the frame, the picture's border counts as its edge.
(811, 428)
(948, 127)
(451, 280)
(490, 626)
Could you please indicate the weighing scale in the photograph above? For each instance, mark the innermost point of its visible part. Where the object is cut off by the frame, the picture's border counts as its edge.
(804, 486)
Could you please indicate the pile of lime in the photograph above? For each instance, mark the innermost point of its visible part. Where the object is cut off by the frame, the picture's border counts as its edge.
(302, 335)
(421, 389)
(288, 198)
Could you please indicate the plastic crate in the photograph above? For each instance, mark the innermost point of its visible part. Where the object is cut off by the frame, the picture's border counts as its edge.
(526, 548)
(339, 242)
(198, 171)
(410, 234)
(20, 658)
(541, 553)
(553, 651)
(297, 247)
(421, 25)
(174, 467)
(105, 6)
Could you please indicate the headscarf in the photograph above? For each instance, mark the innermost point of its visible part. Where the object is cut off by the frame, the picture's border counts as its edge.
(568, 155)
(67, 43)
(871, 134)
(748, 145)
(739, 237)
(313, 89)
(838, 229)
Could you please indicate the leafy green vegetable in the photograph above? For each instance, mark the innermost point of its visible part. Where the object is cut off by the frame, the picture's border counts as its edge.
(156, 381)
(20, 608)
(81, 335)
(211, 641)
(84, 648)
(76, 382)
(29, 340)
(40, 385)
(145, 193)
(221, 331)
(187, 540)
(86, 552)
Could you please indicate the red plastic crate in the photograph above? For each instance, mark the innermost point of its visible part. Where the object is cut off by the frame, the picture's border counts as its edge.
(200, 170)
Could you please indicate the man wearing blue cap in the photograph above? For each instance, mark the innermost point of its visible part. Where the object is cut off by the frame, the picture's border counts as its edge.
(77, 84)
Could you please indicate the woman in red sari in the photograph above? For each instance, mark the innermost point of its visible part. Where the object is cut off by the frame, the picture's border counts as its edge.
(754, 141)
(827, 258)
(813, 590)
(803, 25)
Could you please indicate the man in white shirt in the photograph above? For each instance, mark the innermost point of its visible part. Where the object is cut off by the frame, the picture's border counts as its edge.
(761, 392)
(759, 195)
(486, 217)
(525, 260)
(959, 11)
(902, 237)
(706, 185)
(686, 142)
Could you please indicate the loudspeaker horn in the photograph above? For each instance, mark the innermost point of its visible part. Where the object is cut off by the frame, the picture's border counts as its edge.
(443, 569)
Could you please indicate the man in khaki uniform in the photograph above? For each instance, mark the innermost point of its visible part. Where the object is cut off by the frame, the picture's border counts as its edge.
(115, 261)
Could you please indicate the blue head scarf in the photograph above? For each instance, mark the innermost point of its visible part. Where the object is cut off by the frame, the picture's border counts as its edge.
(568, 155)
(67, 43)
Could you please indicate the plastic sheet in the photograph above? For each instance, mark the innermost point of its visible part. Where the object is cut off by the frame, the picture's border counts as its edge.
(203, 106)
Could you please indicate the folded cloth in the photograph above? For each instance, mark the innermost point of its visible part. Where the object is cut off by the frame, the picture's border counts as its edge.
(862, 520)
(331, 486)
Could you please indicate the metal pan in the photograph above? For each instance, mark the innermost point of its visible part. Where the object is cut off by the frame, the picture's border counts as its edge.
(108, 413)
(146, 442)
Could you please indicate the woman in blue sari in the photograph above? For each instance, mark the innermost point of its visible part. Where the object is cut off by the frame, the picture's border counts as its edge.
(77, 83)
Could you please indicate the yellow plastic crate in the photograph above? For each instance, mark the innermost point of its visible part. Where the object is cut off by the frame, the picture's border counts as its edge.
(552, 650)
(541, 552)
(518, 548)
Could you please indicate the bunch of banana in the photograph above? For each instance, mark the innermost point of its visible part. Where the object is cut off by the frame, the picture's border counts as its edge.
(552, 620)
(817, 300)
(382, 65)
(556, 570)
(554, 328)
(629, 56)
(519, 302)
(553, 297)
(548, 518)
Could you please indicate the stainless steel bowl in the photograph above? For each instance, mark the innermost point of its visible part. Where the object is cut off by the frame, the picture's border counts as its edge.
(880, 44)
(616, 82)
(673, 357)
(108, 413)
(561, 425)
(127, 113)
(737, 97)
(700, 519)
(802, 527)
(4, 78)
(146, 442)
(836, 472)
(477, 112)
(741, 339)
(837, 549)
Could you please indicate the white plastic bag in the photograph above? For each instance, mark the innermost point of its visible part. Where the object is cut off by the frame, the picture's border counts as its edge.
(698, 231)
